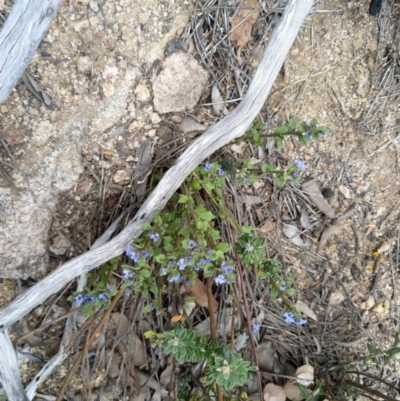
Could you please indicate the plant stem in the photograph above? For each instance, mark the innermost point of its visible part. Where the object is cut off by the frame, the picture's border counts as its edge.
(247, 310)
(367, 390)
(213, 327)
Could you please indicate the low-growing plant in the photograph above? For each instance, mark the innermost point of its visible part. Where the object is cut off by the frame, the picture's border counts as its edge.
(184, 243)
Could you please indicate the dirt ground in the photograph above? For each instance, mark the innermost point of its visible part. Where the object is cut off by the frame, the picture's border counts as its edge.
(343, 70)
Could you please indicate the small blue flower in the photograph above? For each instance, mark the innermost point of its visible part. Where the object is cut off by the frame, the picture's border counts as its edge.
(129, 282)
(145, 254)
(221, 279)
(301, 322)
(220, 172)
(203, 261)
(127, 293)
(313, 126)
(289, 317)
(171, 263)
(110, 287)
(176, 278)
(127, 273)
(79, 299)
(150, 308)
(86, 297)
(208, 166)
(283, 287)
(300, 165)
(131, 253)
(192, 244)
(209, 252)
(226, 268)
(274, 263)
(163, 271)
(256, 327)
(188, 259)
(304, 123)
(93, 299)
(181, 264)
(310, 135)
(295, 174)
(154, 236)
(322, 133)
(196, 268)
(103, 296)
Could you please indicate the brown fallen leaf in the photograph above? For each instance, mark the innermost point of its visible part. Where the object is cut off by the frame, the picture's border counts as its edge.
(266, 227)
(306, 310)
(199, 291)
(243, 22)
(312, 190)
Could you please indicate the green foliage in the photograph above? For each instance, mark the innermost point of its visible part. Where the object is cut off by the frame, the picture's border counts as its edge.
(224, 367)
(251, 249)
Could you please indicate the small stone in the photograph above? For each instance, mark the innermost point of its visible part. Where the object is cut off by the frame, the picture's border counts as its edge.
(176, 119)
(382, 307)
(142, 93)
(94, 6)
(345, 191)
(368, 304)
(84, 64)
(122, 177)
(155, 118)
(108, 89)
(60, 245)
(189, 124)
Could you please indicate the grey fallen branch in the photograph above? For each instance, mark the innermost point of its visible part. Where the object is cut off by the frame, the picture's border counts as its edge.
(228, 129)
(19, 38)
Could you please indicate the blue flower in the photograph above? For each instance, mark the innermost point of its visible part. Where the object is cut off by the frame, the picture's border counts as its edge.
(176, 278)
(86, 297)
(110, 287)
(322, 133)
(203, 261)
(127, 273)
(313, 126)
(181, 264)
(283, 287)
(93, 299)
(164, 271)
(226, 268)
(154, 236)
(196, 268)
(310, 135)
(220, 171)
(103, 296)
(289, 317)
(150, 308)
(301, 322)
(208, 166)
(127, 293)
(300, 165)
(221, 279)
(256, 327)
(79, 299)
(131, 253)
(192, 244)
(171, 263)
(129, 282)
(274, 263)
(304, 123)
(209, 252)
(188, 259)
(145, 254)
(295, 174)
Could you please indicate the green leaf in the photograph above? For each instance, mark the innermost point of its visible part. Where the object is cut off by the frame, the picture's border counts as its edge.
(246, 229)
(149, 334)
(223, 246)
(195, 184)
(314, 121)
(160, 258)
(280, 181)
(215, 234)
(279, 142)
(292, 122)
(267, 168)
(283, 129)
(206, 216)
(183, 199)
